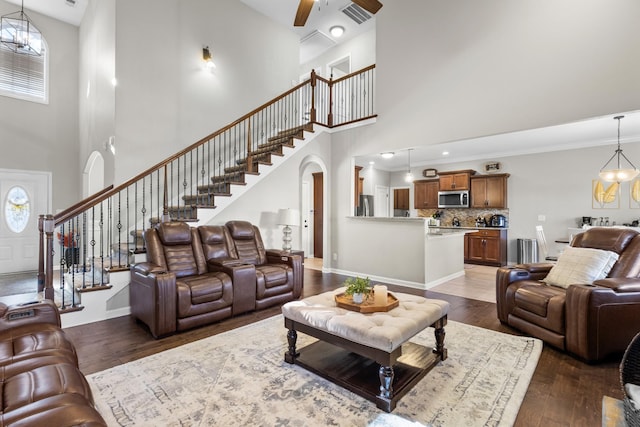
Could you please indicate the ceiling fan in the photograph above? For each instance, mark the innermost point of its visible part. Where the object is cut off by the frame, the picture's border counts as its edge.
(305, 6)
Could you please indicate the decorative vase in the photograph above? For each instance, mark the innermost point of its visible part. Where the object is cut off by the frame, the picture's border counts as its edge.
(357, 298)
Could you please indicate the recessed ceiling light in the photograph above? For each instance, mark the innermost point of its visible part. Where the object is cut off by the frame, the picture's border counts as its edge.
(336, 30)
(445, 153)
(372, 162)
(387, 155)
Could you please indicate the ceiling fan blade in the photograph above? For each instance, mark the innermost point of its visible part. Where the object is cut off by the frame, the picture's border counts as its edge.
(304, 9)
(369, 5)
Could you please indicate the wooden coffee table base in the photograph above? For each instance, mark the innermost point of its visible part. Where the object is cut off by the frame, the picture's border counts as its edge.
(376, 375)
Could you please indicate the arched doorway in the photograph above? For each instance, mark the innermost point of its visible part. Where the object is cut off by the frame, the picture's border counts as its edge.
(93, 174)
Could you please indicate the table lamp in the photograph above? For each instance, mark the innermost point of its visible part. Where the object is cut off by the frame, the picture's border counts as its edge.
(288, 217)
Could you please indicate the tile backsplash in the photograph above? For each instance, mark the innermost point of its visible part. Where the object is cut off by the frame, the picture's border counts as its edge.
(467, 216)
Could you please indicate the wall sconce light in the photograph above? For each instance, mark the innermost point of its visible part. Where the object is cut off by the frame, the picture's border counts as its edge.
(110, 145)
(206, 57)
(337, 31)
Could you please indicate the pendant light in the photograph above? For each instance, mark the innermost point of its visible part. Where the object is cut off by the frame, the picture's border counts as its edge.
(409, 176)
(618, 174)
(18, 33)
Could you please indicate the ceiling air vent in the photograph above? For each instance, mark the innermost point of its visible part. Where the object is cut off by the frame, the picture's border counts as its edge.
(356, 13)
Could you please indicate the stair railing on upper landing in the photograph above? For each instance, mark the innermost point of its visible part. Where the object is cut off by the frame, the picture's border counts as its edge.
(101, 233)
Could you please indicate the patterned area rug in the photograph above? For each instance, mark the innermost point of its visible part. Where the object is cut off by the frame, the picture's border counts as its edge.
(240, 378)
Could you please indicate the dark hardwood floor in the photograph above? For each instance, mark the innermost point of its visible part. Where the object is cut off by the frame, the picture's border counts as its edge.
(563, 391)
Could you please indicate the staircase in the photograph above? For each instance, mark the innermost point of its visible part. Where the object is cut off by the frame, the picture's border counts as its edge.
(220, 186)
(106, 229)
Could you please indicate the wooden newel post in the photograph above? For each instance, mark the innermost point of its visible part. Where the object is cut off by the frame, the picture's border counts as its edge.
(48, 225)
(41, 254)
(330, 115)
(312, 115)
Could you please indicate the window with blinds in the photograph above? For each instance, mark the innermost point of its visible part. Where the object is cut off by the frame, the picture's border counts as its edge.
(24, 76)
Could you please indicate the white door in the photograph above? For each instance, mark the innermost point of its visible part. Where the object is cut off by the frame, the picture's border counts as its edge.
(307, 236)
(381, 201)
(24, 196)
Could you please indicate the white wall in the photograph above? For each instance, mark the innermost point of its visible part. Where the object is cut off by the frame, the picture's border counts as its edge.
(361, 50)
(97, 95)
(280, 189)
(166, 99)
(469, 69)
(44, 137)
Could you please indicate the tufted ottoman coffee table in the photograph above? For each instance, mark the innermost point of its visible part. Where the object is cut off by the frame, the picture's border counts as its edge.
(369, 354)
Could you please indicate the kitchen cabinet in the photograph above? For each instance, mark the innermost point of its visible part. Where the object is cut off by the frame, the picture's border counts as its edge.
(401, 198)
(425, 194)
(489, 191)
(486, 247)
(456, 180)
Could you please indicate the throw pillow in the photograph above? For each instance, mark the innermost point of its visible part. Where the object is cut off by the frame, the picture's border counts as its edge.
(580, 265)
(633, 391)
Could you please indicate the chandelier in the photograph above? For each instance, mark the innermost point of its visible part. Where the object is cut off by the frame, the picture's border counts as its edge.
(618, 174)
(18, 33)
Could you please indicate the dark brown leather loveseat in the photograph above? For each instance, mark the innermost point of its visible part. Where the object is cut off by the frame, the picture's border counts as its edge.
(41, 382)
(589, 320)
(196, 276)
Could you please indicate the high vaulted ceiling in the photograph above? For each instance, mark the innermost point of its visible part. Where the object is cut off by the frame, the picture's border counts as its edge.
(326, 13)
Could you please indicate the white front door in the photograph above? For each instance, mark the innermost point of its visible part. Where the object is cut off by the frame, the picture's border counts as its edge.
(24, 196)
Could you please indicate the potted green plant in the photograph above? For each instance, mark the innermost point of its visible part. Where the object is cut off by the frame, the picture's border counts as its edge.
(358, 288)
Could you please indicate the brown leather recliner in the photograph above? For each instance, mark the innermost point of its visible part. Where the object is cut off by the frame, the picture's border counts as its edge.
(591, 321)
(40, 382)
(278, 273)
(173, 290)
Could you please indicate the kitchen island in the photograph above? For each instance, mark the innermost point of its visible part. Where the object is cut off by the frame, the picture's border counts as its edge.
(400, 250)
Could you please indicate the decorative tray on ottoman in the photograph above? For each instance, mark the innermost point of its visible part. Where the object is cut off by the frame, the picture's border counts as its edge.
(368, 305)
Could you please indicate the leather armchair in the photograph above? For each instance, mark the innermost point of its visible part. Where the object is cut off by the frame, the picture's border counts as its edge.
(173, 290)
(589, 320)
(278, 273)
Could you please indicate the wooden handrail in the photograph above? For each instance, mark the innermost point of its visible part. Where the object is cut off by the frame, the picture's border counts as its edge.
(61, 217)
(360, 71)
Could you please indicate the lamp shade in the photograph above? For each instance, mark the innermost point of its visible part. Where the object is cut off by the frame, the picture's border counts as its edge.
(289, 217)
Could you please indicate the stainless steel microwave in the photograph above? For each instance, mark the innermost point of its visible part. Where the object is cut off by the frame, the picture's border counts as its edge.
(453, 199)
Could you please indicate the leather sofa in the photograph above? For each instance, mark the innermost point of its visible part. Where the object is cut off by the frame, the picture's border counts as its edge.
(279, 275)
(592, 321)
(41, 382)
(195, 276)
